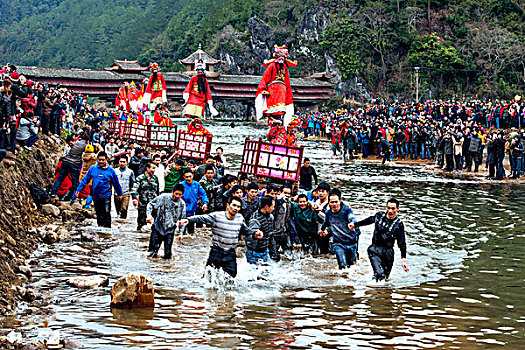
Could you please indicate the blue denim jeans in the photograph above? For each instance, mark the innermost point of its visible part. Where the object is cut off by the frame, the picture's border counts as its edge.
(426, 151)
(364, 149)
(257, 258)
(413, 150)
(517, 167)
(31, 141)
(66, 169)
(345, 254)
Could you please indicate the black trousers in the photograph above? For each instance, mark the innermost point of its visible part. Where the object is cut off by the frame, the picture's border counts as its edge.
(323, 245)
(382, 260)
(141, 217)
(156, 240)
(308, 244)
(223, 259)
(283, 242)
(386, 155)
(473, 157)
(103, 210)
(492, 170)
(449, 162)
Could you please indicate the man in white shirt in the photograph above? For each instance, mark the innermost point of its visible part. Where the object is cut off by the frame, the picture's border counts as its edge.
(159, 172)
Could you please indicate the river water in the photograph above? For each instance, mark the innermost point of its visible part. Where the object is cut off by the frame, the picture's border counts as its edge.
(464, 290)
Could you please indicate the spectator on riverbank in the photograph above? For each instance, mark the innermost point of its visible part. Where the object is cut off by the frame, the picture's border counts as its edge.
(27, 133)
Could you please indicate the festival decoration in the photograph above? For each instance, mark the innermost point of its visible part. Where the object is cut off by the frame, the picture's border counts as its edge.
(274, 98)
(197, 95)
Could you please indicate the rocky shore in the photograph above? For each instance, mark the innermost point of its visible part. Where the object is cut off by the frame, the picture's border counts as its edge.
(23, 226)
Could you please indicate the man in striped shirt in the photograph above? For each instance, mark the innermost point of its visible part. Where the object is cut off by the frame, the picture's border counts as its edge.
(225, 227)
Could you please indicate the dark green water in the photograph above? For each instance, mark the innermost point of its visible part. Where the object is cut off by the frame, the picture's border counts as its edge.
(464, 289)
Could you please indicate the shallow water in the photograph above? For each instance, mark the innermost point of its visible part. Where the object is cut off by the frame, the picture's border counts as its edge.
(464, 289)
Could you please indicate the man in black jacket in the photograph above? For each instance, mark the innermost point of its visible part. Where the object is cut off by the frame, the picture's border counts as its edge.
(500, 155)
(17, 91)
(448, 151)
(134, 163)
(306, 174)
(473, 150)
(258, 249)
(5, 113)
(388, 229)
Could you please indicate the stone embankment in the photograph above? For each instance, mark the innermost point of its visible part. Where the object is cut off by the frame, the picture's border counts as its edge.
(22, 226)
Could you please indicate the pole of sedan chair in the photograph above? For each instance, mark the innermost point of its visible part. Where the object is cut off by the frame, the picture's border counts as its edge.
(417, 83)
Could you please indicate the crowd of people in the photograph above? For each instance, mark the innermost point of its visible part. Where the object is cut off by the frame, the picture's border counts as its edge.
(456, 135)
(170, 191)
(175, 194)
(29, 107)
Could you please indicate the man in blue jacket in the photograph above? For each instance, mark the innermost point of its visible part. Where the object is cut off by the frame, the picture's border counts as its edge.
(193, 191)
(103, 178)
(339, 225)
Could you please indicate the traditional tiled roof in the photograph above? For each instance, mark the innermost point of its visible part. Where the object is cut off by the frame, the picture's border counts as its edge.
(199, 55)
(106, 83)
(124, 65)
(75, 73)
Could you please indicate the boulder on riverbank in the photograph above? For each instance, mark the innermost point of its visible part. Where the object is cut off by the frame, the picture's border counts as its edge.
(133, 290)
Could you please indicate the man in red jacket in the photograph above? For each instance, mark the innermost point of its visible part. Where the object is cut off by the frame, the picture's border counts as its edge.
(336, 140)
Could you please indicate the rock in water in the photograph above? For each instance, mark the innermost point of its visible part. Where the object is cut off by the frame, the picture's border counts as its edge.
(88, 236)
(50, 209)
(133, 290)
(64, 235)
(88, 282)
(51, 237)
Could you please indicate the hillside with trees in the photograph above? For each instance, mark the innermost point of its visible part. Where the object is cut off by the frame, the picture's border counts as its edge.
(463, 48)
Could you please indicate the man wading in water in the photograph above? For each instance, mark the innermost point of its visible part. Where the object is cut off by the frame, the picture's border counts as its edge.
(388, 228)
(167, 209)
(225, 227)
(339, 226)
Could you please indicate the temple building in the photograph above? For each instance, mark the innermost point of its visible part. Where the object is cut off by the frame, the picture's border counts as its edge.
(233, 95)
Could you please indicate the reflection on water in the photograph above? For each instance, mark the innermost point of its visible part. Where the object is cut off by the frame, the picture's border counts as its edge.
(464, 290)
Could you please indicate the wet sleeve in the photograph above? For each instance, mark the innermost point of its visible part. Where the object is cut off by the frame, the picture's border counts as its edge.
(326, 222)
(368, 221)
(202, 195)
(207, 219)
(246, 230)
(151, 206)
(255, 224)
(401, 242)
(350, 216)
